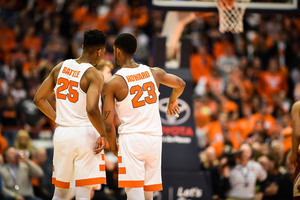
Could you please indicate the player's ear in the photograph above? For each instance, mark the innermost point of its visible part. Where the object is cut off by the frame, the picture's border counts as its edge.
(99, 52)
(135, 52)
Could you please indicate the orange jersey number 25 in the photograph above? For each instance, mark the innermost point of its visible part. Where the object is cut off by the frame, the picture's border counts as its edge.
(65, 84)
(138, 90)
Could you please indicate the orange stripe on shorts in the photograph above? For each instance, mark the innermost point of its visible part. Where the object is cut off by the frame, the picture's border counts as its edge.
(122, 170)
(150, 188)
(131, 183)
(102, 156)
(90, 181)
(102, 168)
(60, 184)
(53, 169)
(119, 159)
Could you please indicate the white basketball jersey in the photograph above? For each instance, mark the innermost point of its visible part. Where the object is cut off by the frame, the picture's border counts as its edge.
(70, 99)
(138, 112)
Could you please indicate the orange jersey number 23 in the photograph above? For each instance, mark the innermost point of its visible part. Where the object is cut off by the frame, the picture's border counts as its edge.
(138, 90)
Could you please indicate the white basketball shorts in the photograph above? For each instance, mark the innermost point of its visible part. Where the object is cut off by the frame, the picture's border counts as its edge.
(74, 158)
(139, 161)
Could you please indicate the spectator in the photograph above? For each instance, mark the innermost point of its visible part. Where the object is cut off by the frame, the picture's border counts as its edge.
(15, 175)
(272, 82)
(7, 39)
(10, 120)
(285, 189)
(39, 158)
(106, 68)
(213, 83)
(201, 64)
(227, 64)
(3, 146)
(31, 41)
(18, 92)
(244, 175)
(32, 118)
(23, 143)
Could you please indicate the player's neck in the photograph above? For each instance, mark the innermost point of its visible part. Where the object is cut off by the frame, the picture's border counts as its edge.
(84, 59)
(129, 63)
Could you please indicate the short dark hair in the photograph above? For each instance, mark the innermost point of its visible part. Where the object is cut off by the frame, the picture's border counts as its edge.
(94, 38)
(127, 43)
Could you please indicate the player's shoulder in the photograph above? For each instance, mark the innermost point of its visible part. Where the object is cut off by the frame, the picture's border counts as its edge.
(156, 71)
(93, 72)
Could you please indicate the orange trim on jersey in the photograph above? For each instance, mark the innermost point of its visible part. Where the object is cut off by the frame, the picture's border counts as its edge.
(132, 184)
(102, 168)
(53, 169)
(102, 156)
(122, 170)
(60, 184)
(90, 181)
(119, 159)
(150, 188)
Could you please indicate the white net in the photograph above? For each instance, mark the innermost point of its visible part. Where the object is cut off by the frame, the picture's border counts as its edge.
(231, 13)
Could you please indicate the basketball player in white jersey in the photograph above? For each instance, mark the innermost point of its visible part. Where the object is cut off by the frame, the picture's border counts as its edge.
(77, 143)
(133, 91)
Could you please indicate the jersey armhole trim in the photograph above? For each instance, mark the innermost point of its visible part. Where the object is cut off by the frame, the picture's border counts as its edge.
(127, 93)
(56, 85)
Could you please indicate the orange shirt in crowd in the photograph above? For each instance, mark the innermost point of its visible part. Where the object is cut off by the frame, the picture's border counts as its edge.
(94, 22)
(214, 131)
(120, 14)
(139, 16)
(249, 89)
(3, 144)
(244, 126)
(34, 43)
(200, 65)
(269, 122)
(220, 47)
(234, 134)
(203, 113)
(230, 106)
(79, 13)
(215, 84)
(27, 66)
(218, 146)
(270, 84)
(7, 39)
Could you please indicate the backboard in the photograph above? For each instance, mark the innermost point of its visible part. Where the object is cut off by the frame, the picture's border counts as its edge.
(257, 6)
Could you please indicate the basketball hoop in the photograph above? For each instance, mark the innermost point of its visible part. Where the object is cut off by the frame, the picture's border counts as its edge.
(231, 13)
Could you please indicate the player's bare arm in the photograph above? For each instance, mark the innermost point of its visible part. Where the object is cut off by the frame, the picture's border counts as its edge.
(296, 133)
(95, 80)
(108, 96)
(45, 91)
(174, 82)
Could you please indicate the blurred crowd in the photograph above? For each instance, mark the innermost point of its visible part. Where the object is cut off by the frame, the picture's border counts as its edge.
(244, 85)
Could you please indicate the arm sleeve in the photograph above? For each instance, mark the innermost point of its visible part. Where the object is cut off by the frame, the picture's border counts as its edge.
(34, 170)
(5, 190)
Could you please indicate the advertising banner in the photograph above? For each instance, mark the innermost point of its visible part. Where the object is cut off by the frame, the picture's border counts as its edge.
(179, 142)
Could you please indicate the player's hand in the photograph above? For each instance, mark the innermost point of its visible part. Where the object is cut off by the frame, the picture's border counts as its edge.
(173, 109)
(100, 144)
(293, 158)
